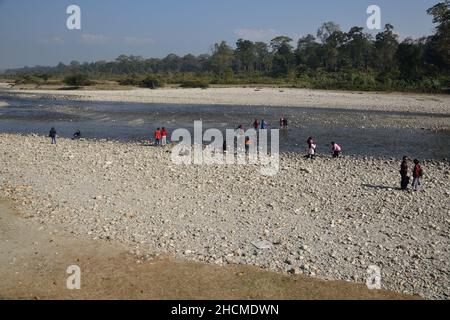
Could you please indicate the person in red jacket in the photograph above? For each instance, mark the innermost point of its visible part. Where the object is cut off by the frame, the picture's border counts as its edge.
(158, 136)
(164, 134)
(417, 174)
(256, 124)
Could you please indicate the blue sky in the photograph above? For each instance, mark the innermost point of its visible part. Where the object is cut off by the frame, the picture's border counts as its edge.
(34, 31)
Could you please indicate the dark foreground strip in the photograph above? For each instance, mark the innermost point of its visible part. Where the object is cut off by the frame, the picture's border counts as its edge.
(221, 309)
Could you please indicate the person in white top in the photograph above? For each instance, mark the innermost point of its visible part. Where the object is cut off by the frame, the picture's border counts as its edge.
(311, 148)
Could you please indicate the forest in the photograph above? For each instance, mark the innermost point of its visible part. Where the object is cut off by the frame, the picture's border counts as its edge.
(330, 59)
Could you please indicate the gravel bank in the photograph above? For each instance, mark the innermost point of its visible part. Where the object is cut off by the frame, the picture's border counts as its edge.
(37, 258)
(329, 219)
(419, 103)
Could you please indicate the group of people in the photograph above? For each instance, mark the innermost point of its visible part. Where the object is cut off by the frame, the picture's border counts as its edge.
(417, 174)
(312, 146)
(160, 136)
(263, 124)
(53, 135)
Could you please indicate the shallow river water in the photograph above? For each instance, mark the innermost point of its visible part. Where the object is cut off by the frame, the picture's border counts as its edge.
(354, 130)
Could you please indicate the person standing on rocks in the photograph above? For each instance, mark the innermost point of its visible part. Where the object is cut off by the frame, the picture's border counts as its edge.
(158, 136)
(404, 169)
(311, 148)
(336, 149)
(53, 135)
(164, 134)
(417, 174)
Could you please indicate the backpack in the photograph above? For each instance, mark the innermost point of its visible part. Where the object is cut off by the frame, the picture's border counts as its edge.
(421, 173)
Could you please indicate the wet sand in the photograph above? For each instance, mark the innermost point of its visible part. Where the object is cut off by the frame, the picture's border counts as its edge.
(34, 259)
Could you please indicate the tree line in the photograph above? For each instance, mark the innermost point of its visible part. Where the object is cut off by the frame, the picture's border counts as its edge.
(330, 59)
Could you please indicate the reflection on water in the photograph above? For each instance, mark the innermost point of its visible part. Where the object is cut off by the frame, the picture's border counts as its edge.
(132, 121)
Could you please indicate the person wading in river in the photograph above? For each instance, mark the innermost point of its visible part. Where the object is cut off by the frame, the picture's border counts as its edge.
(264, 124)
(248, 144)
(256, 124)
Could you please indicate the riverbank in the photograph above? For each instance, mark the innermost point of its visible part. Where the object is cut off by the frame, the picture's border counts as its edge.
(34, 259)
(259, 96)
(329, 219)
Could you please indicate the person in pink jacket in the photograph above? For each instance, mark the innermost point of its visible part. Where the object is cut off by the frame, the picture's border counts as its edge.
(336, 149)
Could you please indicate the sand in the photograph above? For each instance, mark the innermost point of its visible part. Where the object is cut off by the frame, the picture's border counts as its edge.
(416, 103)
(328, 219)
(34, 260)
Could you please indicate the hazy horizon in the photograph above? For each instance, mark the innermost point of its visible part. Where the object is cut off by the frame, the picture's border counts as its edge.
(34, 32)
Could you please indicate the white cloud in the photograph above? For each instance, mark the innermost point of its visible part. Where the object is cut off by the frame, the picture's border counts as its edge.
(53, 40)
(94, 39)
(101, 39)
(137, 40)
(256, 34)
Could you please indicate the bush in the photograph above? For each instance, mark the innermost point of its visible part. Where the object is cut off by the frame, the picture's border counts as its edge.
(194, 84)
(129, 82)
(29, 79)
(77, 80)
(151, 82)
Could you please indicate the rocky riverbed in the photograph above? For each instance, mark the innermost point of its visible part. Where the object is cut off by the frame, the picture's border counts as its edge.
(330, 218)
(257, 96)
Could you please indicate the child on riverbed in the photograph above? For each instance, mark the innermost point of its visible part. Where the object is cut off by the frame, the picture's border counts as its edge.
(417, 174)
(158, 136)
(164, 134)
(311, 148)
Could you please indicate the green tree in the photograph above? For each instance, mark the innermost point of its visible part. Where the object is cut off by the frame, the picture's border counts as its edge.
(222, 59)
(410, 59)
(283, 56)
(307, 53)
(439, 43)
(326, 30)
(386, 45)
(331, 38)
(245, 54)
(357, 49)
(263, 58)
